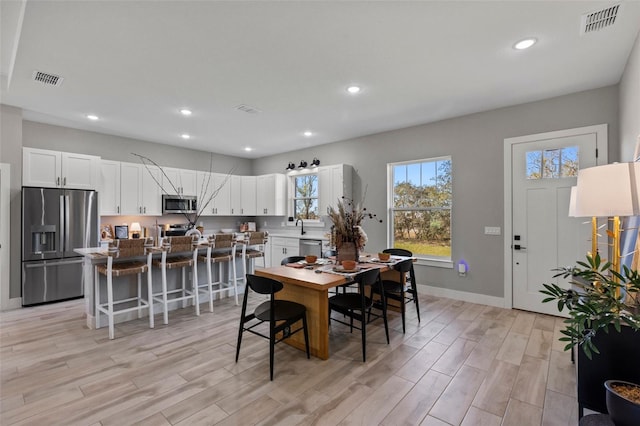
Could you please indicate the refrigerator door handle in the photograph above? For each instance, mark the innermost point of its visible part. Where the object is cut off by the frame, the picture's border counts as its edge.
(66, 224)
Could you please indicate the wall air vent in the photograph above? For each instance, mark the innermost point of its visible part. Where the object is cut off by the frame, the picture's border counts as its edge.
(598, 20)
(248, 109)
(48, 79)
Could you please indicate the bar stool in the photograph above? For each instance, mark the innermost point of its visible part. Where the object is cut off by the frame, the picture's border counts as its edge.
(123, 249)
(185, 244)
(221, 248)
(253, 248)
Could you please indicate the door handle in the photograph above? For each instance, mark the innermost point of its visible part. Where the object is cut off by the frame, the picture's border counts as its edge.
(144, 210)
(519, 247)
(64, 181)
(58, 181)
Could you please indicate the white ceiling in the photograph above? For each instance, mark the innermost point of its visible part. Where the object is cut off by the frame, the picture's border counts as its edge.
(136, 63)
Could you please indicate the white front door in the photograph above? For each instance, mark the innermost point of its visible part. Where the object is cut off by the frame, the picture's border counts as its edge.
(543, 237)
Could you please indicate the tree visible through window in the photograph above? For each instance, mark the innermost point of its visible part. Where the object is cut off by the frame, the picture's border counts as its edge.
(421, 207)
(305, 197)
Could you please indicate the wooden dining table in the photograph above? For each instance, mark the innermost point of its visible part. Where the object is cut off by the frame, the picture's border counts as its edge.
(311, 289)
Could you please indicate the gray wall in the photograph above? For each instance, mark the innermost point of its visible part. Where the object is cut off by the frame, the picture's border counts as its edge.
(109, 147)
(11, 153)
(630, 104)
(475, 143)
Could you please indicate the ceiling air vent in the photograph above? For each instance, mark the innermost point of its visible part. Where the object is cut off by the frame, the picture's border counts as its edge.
(248, 109)
(598, 20)
(48, 79)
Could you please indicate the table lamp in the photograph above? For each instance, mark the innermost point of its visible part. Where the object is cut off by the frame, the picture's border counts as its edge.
(135, 230)
(609, 191)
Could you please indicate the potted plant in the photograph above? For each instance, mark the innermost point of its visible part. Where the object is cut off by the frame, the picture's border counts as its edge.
(604, 320)
(623, 402)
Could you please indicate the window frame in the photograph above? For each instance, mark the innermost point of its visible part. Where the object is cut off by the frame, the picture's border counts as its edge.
(291, 196)
(422, 259)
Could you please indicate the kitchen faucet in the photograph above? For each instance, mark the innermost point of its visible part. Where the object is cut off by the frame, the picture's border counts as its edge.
(302, 232)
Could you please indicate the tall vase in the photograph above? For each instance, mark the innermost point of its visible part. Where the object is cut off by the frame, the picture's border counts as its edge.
(347, 250)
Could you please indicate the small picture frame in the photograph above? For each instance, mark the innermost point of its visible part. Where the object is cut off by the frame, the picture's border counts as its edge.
(106, 232)
(122, 232)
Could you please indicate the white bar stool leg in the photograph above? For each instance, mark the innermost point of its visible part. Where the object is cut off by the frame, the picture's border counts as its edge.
(164, 288)
(110, 296)
(194, 282)
(184, 287)
(139, 296)
(150, 291)
(96, 293)
(235, 279)
(209, 279)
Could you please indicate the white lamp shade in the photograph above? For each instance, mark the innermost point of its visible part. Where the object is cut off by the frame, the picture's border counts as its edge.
(573, 202)
(135, 227)
(609, 190)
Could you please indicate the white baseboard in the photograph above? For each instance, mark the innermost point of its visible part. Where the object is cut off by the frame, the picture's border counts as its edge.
(15, 303)
(464, 296)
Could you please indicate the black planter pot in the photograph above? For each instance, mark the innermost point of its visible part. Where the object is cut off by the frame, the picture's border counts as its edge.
(618, 358)
(622, 411)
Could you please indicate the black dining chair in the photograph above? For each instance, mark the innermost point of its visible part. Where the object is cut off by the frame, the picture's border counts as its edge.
(280, 314)
(396, 290)
(411, 287)
(356, 305)
(291, 259)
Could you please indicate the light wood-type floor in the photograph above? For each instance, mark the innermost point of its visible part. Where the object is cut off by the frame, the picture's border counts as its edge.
(463, 364)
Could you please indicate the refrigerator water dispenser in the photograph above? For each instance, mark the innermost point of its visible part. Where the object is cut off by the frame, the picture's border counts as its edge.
(43, 239)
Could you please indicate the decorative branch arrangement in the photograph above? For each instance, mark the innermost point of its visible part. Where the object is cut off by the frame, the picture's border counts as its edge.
(202, 204)
(347, 219)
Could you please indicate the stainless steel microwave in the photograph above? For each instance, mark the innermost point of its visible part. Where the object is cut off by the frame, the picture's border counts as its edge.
(179, 204)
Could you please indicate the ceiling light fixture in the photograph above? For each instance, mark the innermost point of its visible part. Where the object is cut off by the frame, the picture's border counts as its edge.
(185, 136)
(248, 149)
(303, 165)
(291, 166)
(92, 117)
(525, 44)
(308, 133)
(185, 111)
(353, 89)
(315, 162)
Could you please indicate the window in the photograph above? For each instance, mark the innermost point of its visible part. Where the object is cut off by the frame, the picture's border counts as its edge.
(420, 207)
(305, 196)
(553, 163)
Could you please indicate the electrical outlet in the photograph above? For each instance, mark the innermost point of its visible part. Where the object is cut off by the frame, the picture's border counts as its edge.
(492, 230)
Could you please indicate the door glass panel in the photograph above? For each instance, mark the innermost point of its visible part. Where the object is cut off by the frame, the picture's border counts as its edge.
(552, 163)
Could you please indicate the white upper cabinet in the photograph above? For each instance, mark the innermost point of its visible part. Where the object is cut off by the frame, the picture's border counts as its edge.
(139, 192)
(243, 195)
(55, 169)
(271, 195)
(109, 188)
(208, 184)
(180, 181)
(334, 183)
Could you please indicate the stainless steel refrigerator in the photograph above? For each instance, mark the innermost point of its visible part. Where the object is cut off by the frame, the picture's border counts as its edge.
(54, 222)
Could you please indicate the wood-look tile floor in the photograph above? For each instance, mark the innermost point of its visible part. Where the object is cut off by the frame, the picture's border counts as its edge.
(464, 364)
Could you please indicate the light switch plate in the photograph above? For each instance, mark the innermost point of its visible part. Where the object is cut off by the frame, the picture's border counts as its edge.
(492, 230)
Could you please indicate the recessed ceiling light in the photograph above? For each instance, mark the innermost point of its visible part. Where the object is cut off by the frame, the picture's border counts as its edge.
(353, 89)
(92, 117)
(525, 44)
(185, 136)
(308, 133)
(185, 111)
(248, 149)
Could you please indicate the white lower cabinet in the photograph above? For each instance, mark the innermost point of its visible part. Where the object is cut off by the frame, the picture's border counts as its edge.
(282, 247)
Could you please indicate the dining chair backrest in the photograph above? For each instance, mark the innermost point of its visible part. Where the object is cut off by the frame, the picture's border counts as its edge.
(367, 278)
(403, 266)
(291, 259)
(398, 252)
(263, 285)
